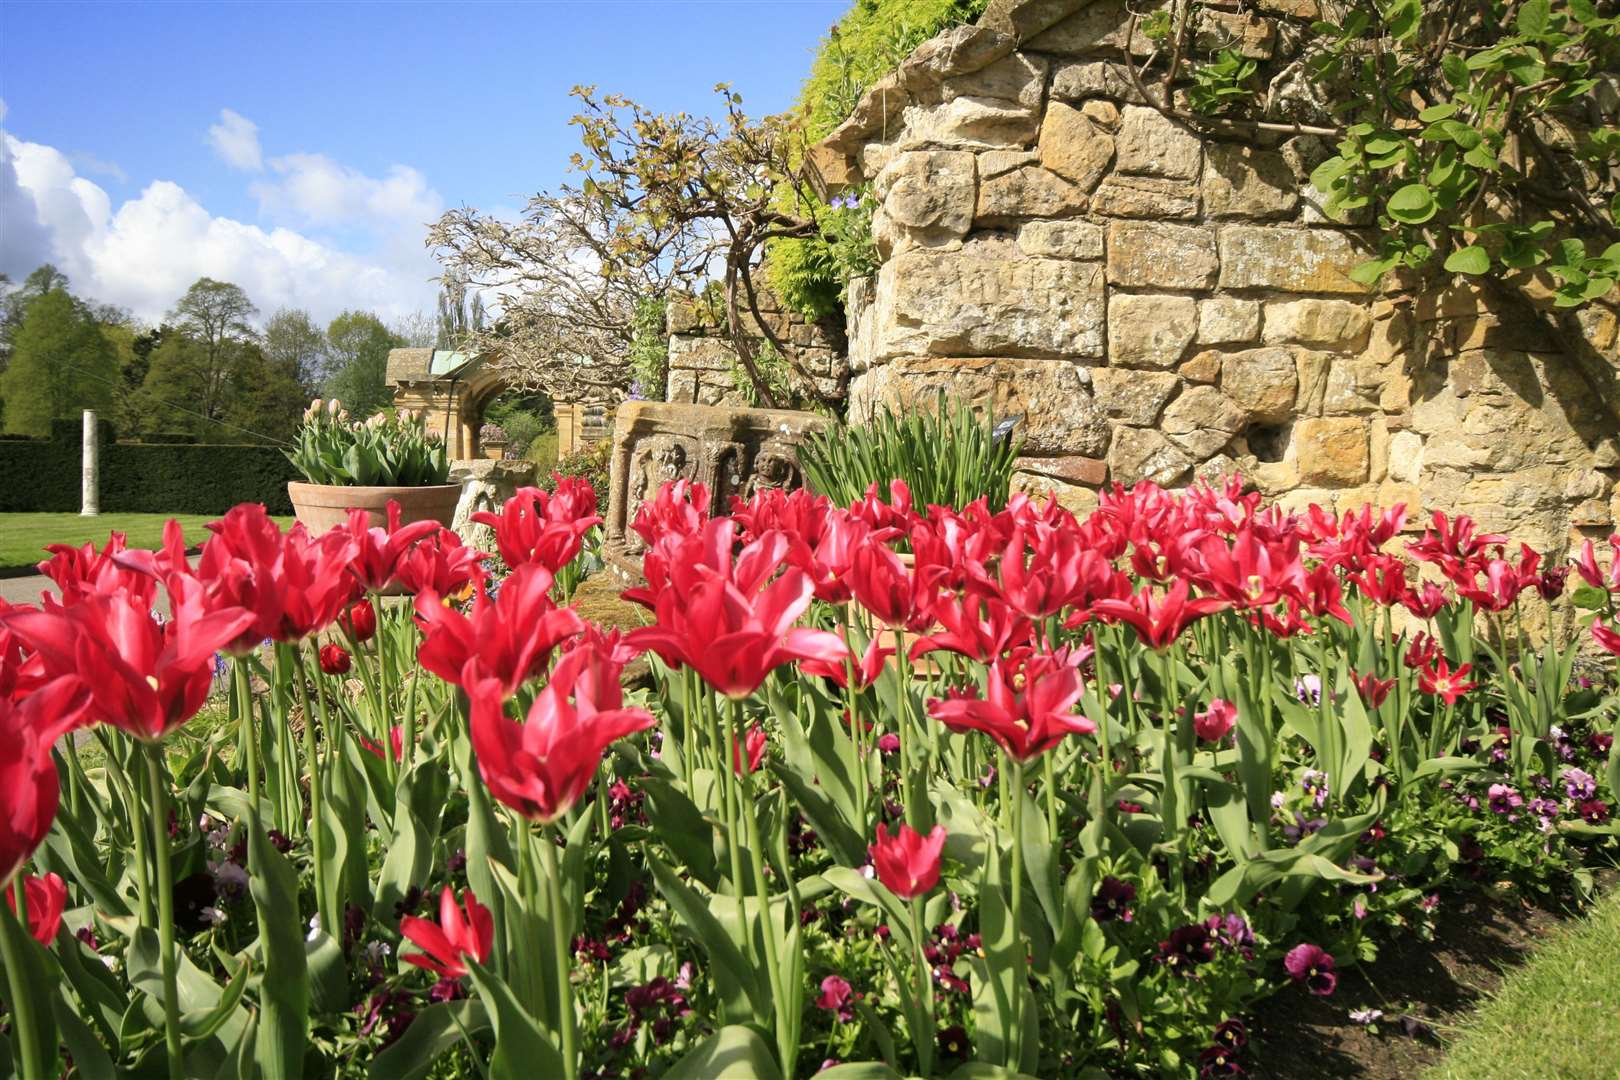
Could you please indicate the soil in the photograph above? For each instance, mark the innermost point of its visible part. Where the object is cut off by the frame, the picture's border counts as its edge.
(1436, 984)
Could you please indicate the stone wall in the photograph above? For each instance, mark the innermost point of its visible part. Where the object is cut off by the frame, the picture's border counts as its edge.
(1162, 304)
(701, 356)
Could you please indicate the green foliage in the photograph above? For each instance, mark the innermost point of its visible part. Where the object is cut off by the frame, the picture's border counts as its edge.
(1458, 144)
(141, 477)
(773, 371)
(649, 350)
(1223, 82)
(358, 344)
(60, 364)
(809, 273)
(947, 456)
(865, 45)
(593, 464)
(382, 451)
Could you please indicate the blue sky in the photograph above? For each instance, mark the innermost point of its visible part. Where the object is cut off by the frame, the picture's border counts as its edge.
(298, 147)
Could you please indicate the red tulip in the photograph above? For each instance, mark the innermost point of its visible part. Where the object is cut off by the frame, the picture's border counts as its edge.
(1607, 637)
(907, 863)
(84, 572)
(1372, 689)
(753, 745)
(1447, 684)
(334, 659)
(511, 638)
(681, 508)
(1158, 622)
(1422, 651)
(315, 583)
(829, 561)
(1053, 577)
(1324, 595)
(47, 897)
(28, 784)
(1215, 722)
(1382, 580)
(1502, 585)
(378, 551)
(979, 627)
(1586, 565)
(1027, 704)
(866, 669)
(362, 620)
(898, 596)
(463, 932)
(440, 564)
(142, 676)
(1452, 544)
(543, 766)
(1426, 602)
(543, 528)
(1252, 572)
(396, 744)
(722, 620)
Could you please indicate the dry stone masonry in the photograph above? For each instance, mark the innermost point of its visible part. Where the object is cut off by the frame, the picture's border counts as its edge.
(1161, 304)
(702, 358)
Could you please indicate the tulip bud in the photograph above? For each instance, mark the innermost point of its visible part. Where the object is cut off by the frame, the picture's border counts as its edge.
(334, 659)
(362, 620)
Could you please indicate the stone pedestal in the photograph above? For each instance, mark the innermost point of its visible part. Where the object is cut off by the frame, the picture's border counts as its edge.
(90, 481)
(732, 451)
(485, 485)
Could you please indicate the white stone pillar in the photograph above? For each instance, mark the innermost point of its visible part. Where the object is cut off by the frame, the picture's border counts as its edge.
(90, 485)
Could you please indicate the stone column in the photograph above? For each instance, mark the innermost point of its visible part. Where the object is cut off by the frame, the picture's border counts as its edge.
(90, 482)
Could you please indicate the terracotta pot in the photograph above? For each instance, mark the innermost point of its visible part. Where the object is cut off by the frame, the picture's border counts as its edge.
(321, 506)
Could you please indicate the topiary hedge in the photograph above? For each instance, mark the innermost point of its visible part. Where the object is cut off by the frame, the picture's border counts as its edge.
(43, 476)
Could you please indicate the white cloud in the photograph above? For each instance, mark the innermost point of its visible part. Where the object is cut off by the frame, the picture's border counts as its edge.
(143, 254)
(312, 189)
(236, 139)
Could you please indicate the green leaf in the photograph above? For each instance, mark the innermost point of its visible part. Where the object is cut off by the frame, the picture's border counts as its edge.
(41, 990)
(284, 990)
(1590, 598)
(734, 1052)
(1533, 16)
(435, 1031)
(1472, 259)
(1368, 273)
(522, 1050)
(1412, 204)
(1438, 112)
(1402, 18)
(859, 1070)
(738, 983)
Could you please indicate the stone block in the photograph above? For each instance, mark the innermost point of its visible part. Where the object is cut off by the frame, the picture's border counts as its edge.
(1098, 28)
(1261, 382)
(929, 193)
(1061, 239)
(967, 304)
(1321, 324)
(1083, 81)
(1069, 468)
(1248, 35)
(1145, 197)
(1202, 421)
(1078, 499)
(700, 354)
(1018, 77)
(1332, 450)
(1291, 260)
(1155, 254)
(968, 123)
(1150, 331)
(1145, 454)
(1313, 368)
(1136, 397)
(1353, 386)
(1075, 146)
(996, 162)
(1029, 192)
(1247, 182)
(1151, 144)
(1059, 416)
(1226, 320)
(1204, 367)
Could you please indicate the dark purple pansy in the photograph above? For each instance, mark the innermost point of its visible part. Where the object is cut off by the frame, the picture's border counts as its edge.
(1218, 1061)
(1313, 966)
(1113, 900)
(1187, 947)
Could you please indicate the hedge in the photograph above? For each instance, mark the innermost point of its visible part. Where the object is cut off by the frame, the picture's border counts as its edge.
(43, 475)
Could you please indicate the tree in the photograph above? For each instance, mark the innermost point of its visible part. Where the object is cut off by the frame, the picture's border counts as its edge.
(359, 344)
(271, 395)
(215, 314)
(14, 302)
(296, 346)
(667, 198)
(60, 363)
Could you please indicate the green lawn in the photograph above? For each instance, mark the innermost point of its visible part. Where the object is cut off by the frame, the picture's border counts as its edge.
(1555, 1016)
(23, 536)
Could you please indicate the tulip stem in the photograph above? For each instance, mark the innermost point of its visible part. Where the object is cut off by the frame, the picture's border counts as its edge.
(249, 740)
(902, 719)
(165, 884)
(559, 944)
(132, 788)
(312, 761)
(728, 776)
(785, 1046)
(1015, 1039)
(37, 1061)
(925, 991)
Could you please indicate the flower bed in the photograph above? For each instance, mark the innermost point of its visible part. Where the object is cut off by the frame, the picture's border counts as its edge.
(1123, 778)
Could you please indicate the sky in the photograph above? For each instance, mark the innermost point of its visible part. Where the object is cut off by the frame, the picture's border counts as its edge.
(299, 149)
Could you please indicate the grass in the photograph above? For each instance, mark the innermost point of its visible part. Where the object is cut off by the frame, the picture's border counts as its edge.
(23, 536)
(1553, 1017)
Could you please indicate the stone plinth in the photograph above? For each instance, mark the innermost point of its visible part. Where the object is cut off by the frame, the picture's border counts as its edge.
(485, 485)
(732, 451)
